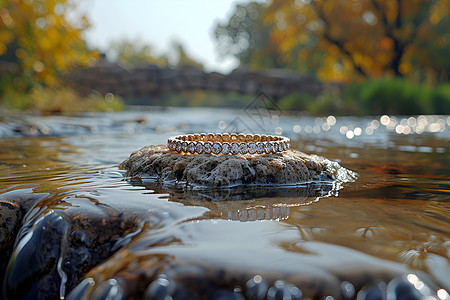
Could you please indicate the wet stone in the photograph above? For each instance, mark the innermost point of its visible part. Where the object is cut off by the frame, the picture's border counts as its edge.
(81, 289)
(171, 265)
(56, 248)
(287, 167)
(25, 266)
(400, 288)
(109, 289)
(283, 290)
(160, 289)
(374, 292)
(13, 207)
(347, 289)
(256, 288)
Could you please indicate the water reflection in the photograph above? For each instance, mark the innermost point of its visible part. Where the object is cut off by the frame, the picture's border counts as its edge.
(393, 230)
(246, 203)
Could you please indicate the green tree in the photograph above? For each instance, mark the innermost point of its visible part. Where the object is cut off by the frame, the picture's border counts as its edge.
(183, 58)
(432, 50)
(134, 53)
(246, 37)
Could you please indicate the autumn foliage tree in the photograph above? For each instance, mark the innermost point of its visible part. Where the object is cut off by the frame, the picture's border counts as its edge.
(342, 40)
(39, 38)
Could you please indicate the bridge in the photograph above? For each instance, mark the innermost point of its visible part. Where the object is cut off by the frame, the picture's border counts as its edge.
(153, 80)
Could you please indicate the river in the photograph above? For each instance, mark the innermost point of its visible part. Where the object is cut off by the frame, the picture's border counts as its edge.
(127, 239)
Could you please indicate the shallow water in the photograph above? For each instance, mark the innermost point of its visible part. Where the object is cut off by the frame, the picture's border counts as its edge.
(81, 219)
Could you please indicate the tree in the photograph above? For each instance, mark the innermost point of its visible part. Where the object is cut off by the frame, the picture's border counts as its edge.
(183, 58)
(432, 50)
(341, 40)
(367, 38)
(41, 40)
(248, 38)
(134, 53)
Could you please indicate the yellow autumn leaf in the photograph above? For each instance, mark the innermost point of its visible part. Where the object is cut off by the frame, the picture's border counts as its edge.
(43, 32)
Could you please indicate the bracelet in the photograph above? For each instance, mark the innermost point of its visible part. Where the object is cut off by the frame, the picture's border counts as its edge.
(224, 143)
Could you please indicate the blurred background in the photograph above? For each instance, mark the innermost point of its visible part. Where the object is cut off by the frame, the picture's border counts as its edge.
(322, 57)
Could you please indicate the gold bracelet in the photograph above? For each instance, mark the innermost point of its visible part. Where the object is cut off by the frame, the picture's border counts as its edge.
(224, 143)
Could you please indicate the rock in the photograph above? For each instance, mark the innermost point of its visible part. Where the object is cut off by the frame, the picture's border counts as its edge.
(13, 207)
(58, 246)
(181, 262)
(283, 168)
(36, 258)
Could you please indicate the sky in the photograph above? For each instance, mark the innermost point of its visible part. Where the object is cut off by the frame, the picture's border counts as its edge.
(159, 23)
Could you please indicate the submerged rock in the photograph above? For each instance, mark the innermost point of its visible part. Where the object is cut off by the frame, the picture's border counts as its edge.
(287, 167)
(57, 246)
(209, 263)
(13, 207)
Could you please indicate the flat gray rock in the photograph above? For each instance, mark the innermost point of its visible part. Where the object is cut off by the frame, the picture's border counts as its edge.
(287, 167)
